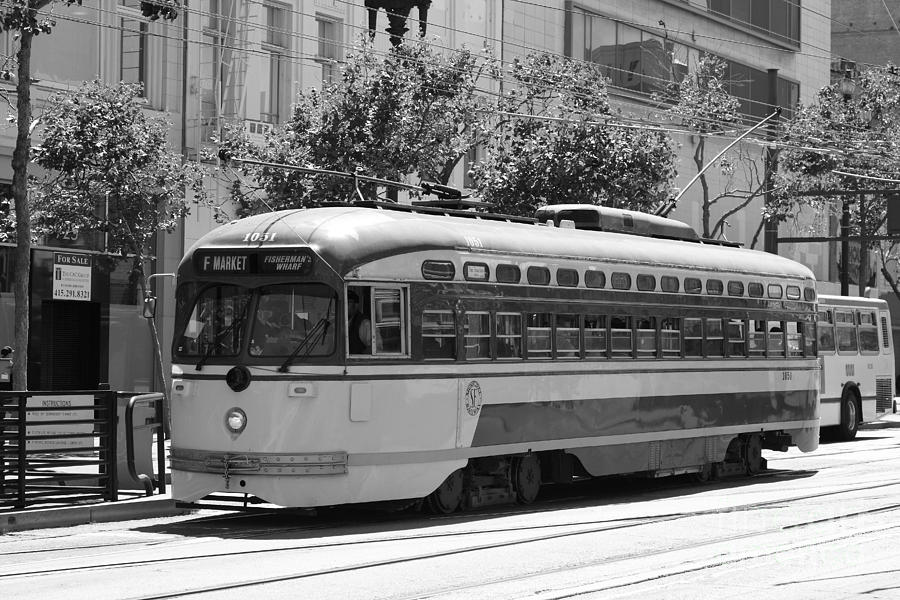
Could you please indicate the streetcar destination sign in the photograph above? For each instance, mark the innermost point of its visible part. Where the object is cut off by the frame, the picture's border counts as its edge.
(297, 261)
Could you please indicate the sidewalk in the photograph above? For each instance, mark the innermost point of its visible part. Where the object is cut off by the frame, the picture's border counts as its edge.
(145, 507)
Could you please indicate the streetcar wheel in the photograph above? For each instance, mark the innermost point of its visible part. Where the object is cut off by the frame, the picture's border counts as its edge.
(849, 418)
(447, 498)
(754, 455)
(526, 477)
(704, 475)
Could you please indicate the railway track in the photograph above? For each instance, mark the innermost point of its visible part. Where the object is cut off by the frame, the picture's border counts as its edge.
(518, 536)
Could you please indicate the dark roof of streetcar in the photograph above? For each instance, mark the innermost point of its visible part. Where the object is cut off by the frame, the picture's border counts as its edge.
(348, 236)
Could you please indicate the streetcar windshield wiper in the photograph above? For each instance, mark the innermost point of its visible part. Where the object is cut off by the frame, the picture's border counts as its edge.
(316, 335)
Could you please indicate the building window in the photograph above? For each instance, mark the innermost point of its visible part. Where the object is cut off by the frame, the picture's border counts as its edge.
(134, 45)
(643, 62)
(275, 84)
(330, 52)
(778, 18)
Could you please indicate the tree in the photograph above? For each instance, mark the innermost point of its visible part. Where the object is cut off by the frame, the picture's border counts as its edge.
(413, 112)
(27, 19)
(551, 140)
(109, 170)
(702, 104)
(845, 140)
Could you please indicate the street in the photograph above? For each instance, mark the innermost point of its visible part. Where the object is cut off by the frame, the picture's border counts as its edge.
(819, 525)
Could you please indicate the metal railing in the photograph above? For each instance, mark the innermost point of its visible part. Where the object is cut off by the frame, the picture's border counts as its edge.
(57, 447)
(63, 447)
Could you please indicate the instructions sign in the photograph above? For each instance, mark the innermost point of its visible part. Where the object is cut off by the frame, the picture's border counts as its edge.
(71, 276)
(60, 408)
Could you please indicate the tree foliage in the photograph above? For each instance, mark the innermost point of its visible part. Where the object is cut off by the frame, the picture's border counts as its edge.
(847, 139)
(551, 142)
(415, 111)
(702, 104)
(109, 170)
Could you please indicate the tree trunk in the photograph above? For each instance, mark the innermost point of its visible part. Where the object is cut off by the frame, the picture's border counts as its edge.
(20, 159)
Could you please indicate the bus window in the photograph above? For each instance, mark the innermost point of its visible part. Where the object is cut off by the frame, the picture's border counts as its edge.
(477, 331)
(216, 323)
(670, 338)
(595, 336)
(845, 331)
(620, 335)
(646, 337)
(438, 334)
(693, 337)
(809, 338)
(868, 333)
(538, 335)
(509, 335)
(737, 341)
(776, 337)
(794, 338)
(568, 334)
(715, 338)
(292, 316)
(758, 337)
(825, 328)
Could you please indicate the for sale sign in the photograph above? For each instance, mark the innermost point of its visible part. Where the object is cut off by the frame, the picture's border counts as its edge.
(71, 276)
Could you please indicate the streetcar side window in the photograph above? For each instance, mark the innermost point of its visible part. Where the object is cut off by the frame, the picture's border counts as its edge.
(509, 335)
(620, 335)
(715, 337)
(595, 336)
(758, 337)
(693, 337)
(377, 320)
(794, 338)
(538, 331)
(477, 335)
(826, 331)
(568, 336)
(737, 341)
(776, 338)
(646, 337)
(438, 334)
(670, 338)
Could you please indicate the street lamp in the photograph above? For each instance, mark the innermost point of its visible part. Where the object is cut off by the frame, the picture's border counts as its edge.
(397, 13)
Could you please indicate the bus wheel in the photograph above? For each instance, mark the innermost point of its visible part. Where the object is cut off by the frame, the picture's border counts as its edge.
(754, 455)
(849, 417)
(526, 477)
(448, 496)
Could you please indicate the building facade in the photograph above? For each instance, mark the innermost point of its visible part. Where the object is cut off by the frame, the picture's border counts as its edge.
(241, 62)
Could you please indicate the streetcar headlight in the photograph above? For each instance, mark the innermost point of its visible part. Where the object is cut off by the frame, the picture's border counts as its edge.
(235, 420)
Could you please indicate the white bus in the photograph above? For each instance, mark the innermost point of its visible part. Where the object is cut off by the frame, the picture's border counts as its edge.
(857, 363)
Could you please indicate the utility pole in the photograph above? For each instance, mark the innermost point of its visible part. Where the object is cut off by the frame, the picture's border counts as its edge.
(770, 236)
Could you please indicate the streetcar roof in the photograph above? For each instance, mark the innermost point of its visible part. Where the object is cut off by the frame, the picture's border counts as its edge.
(348, 236)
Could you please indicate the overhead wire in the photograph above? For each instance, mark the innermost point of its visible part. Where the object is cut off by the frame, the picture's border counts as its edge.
(303, 57)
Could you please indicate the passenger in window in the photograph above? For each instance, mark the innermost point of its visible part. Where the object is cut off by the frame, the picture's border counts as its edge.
(359, 327)
(271, 329)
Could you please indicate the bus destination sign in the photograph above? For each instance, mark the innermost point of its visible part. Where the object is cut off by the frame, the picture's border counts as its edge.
(296, 261)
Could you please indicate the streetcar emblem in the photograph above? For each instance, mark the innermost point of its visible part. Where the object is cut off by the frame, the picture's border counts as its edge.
(473, 398)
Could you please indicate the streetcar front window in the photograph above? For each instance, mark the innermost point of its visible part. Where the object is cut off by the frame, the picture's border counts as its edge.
(215, 325)
(294, 320)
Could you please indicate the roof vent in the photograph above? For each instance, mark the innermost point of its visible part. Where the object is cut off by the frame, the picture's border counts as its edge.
(603, 218)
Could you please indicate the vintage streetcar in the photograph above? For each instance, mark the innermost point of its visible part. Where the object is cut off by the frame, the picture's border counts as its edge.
(370, 352)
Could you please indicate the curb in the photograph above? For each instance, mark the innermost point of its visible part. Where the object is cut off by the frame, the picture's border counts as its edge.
(125, 510)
